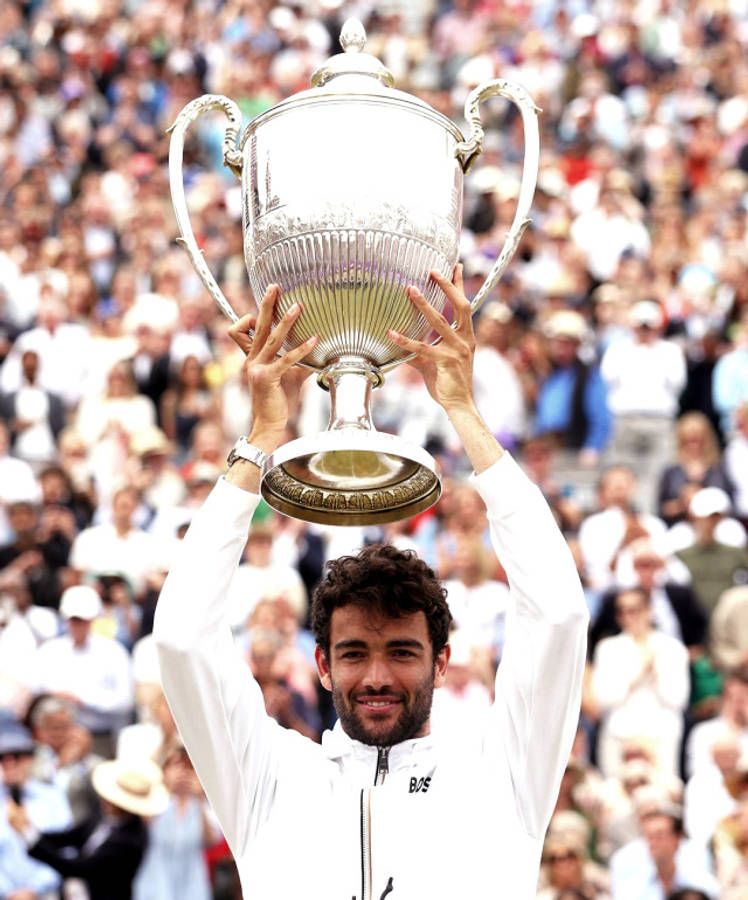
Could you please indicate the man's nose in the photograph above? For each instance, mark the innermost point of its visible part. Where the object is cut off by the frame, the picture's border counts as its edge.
(377, 675)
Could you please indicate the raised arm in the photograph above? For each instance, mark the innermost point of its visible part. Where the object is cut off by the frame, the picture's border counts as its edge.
(539, 683)
(217, 704)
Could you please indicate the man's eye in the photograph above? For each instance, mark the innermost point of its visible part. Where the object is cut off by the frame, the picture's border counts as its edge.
(404, 653)
(352, 654)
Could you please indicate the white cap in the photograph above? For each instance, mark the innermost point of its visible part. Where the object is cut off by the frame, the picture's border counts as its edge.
(80, 602)
(566, 323)
(647, 312)
(709, 501)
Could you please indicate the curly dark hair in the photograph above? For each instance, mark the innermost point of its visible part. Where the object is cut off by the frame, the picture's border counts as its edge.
(388, 582)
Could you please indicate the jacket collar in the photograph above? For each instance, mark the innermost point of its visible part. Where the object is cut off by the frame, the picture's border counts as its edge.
(339, 747)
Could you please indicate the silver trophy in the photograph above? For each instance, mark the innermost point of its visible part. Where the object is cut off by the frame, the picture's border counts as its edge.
(351, 192)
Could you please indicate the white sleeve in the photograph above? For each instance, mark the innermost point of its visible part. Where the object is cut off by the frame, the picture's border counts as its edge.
(217, 704)
(539, 681)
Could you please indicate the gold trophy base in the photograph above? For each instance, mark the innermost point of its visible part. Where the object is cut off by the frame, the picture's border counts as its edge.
(350, 476)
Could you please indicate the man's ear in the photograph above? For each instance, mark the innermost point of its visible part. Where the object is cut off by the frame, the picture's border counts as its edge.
(323, 667)
(440, 666)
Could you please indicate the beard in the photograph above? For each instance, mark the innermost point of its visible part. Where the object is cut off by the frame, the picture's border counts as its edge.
(414, 711)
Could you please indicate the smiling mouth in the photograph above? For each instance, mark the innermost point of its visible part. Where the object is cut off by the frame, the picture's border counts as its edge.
(378, 705)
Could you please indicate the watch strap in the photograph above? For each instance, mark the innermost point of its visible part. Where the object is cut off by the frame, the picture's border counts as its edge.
(242, 449)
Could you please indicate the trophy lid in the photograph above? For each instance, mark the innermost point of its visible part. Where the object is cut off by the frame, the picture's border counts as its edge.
(352, 61)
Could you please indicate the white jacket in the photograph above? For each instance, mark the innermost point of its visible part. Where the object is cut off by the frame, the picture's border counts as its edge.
(463, 819)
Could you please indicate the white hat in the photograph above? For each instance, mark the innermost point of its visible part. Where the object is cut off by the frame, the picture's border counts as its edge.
(647, 312)
(135, 785)
(80, 602)
(709, 501)
(566, 323)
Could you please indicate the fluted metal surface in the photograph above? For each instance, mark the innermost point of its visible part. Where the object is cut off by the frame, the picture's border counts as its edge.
(351, 284)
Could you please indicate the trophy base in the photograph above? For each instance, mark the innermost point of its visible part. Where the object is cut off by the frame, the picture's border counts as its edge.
(350, 476)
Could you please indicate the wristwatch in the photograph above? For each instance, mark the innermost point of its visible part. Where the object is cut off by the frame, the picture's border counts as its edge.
(242, 449)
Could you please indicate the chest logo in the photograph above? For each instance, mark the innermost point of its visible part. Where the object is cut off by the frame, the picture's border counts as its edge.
(419, 785)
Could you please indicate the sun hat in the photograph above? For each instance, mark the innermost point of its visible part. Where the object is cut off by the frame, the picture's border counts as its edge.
(134, 785)
(80, 601)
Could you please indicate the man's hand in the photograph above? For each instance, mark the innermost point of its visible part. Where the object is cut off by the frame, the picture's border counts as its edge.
(17, 816)
(447, 368)
(273, 381)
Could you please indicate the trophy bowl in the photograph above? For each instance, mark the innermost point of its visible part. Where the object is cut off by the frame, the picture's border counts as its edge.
(351, 192)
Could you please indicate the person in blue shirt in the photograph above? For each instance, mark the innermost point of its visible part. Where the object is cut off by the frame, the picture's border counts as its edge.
(572, 403)
(46, 806)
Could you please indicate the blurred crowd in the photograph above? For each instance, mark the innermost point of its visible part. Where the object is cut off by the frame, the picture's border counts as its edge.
(612, 359)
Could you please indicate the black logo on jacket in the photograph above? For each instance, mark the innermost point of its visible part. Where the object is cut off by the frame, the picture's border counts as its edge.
(419, 784)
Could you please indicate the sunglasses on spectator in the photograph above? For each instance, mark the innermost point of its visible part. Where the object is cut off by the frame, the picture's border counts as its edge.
(563, 857)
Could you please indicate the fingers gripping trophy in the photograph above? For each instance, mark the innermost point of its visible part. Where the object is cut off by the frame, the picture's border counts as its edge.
(351, 204)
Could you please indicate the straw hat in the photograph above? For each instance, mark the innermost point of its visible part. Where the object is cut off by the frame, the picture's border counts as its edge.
(135, 785)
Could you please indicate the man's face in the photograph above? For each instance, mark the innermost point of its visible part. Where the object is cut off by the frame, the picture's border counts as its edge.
(54, 729)
(382, 675)
(661, 837)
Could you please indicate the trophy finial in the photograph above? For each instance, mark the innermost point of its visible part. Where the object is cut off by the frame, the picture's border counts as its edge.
(352, 36)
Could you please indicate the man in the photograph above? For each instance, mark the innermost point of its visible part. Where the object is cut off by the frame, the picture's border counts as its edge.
(381, 808)
(90, 671)
(572, 404)
(605, 536)
(645, 376)
(118, 546)
(45, 805)
(715, 567)
(661, 860)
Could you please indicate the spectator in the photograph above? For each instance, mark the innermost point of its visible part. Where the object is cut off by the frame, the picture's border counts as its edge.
(708, 796)
(45, 807)
(37, 416)
(640, 679)
(63, 753)
(714, 566)
(675, 608)
(495, 375)
(567, 867)
(729, 630)
(38, 552)
(61, 348)
(187, 402)
(730, 379)
(174, 866)
(645, 376)
(736, 462)
(118, 547)
(604, 535)
(731, 722)
(478, 603)
(661, 861)
(106, 851)
(90, 671)
(572, 402)
(698, 466)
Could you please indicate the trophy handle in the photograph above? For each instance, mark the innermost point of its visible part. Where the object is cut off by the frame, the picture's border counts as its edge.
(231, 158)
(471, 149)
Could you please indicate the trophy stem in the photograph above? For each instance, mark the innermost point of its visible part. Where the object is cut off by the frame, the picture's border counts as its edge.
(350, 383)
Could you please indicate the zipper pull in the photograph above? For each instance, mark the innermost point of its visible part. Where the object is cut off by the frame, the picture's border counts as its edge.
(388, 889)
(382, 764)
